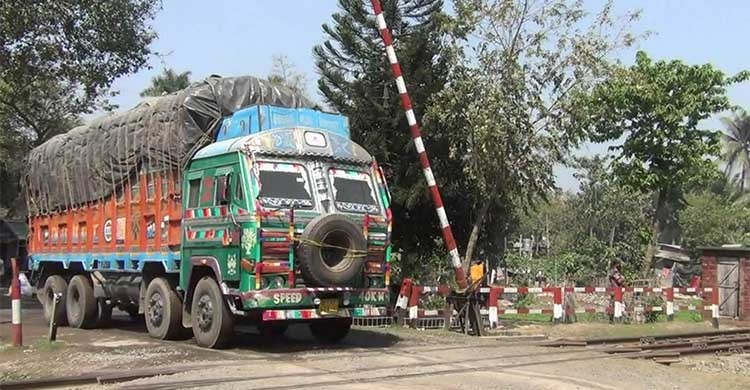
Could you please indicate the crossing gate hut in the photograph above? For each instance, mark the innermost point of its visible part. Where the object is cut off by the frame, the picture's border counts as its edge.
(728, 270)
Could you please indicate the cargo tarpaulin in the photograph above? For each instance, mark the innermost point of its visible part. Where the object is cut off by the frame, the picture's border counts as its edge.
(91, 162)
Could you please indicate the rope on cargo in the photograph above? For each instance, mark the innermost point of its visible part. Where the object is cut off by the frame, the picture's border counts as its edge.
(352, 252)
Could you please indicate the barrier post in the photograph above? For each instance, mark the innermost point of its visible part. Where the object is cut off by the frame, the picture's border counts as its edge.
(416, 293)
(670, 303)
(403, 295)
(557, 308)
(15, 296)
(618, 307)
(715, 307)
(495, 294)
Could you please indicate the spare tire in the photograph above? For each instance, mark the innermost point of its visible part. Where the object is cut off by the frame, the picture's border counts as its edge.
(331, 251)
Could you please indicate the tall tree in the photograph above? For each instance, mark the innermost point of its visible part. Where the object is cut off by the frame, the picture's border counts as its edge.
(285, 73)
(355, 79)
(167, 82)
(505, 111)
(656, 107)
(57, 61)
(736, 142)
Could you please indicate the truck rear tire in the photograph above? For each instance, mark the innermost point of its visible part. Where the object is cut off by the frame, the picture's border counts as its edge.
(163, 310)
(80, 303)
(330, 330)
(55, 284)
(213, 322)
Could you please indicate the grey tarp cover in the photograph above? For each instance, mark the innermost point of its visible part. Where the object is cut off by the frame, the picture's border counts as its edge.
(162, 133)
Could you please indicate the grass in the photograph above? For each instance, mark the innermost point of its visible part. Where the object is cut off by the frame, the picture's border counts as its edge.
(47, 346)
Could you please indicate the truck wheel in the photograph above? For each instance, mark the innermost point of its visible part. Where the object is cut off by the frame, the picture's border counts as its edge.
(80, 303)
(331, 253)
(330, 330)
(55, 284)
(163, 310)
(213, 323)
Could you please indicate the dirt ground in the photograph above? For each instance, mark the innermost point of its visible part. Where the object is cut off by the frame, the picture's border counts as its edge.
(368, 358)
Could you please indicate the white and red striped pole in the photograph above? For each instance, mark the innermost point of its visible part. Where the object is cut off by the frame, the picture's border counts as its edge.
(416, 134)
(15, 297)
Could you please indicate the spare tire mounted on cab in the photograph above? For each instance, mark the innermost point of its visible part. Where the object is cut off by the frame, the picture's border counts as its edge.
(332, 251)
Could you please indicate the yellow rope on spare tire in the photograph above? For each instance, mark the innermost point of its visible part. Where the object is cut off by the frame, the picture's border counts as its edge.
(354, 252)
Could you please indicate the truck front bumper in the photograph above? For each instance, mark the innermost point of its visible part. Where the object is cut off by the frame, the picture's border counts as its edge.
(303, 303)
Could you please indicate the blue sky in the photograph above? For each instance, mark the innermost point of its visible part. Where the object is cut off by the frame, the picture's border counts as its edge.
(239, 37)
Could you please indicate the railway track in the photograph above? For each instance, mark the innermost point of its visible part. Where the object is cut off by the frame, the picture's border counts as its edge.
(666, 348)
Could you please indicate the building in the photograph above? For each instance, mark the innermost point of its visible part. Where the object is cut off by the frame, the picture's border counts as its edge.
(728, 269)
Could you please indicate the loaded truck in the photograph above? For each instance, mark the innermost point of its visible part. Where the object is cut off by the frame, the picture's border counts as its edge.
(232, 200)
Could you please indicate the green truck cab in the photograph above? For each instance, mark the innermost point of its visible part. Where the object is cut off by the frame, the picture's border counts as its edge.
(281, 226)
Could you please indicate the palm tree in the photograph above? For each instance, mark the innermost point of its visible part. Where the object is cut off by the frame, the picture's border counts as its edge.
(167, 82)
(736, 142)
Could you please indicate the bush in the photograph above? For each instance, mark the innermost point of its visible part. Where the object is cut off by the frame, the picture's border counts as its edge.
(653, 300)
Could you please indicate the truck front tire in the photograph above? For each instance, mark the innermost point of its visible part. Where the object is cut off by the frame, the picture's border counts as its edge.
(53, 285)
(213, 322)
(163, 311)
(80, 303)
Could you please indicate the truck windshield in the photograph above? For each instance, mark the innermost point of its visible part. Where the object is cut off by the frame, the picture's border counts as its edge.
(353, 191)
(284, 185)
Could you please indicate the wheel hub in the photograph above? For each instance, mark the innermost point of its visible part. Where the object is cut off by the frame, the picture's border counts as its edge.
(156, 309)
(205, 313)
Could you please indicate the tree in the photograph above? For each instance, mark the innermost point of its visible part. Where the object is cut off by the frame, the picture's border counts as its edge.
(284, 73)
(587, 230)
(657, 108)
(167, 82)
(355, 79)
(709, 219)
(505, 110)
(57, 61)
(736, 142)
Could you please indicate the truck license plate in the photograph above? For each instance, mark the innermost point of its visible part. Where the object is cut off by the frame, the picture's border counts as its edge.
(328, 307)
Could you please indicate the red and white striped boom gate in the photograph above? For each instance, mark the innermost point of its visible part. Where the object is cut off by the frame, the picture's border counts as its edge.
(416, 134)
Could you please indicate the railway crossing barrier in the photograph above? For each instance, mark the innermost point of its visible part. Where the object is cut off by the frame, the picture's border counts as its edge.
(412, 295)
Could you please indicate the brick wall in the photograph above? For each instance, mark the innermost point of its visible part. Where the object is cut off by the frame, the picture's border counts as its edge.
(745, 289)
(708, 279)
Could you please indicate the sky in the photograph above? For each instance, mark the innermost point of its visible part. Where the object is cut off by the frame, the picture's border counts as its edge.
(238, 37)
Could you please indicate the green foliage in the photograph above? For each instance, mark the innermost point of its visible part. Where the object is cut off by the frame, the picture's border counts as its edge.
(57, 61)
(524, 301)
(709, 219)
(736, 147)
(588, 230)
(657, 108)
(356, 80)
(167, 82)
(653, 300)
(505, 112)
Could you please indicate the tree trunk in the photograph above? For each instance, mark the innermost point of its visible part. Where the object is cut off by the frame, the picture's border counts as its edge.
(655, 233)
(475, 230)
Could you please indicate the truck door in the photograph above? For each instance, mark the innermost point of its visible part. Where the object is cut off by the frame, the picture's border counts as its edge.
(211, 236)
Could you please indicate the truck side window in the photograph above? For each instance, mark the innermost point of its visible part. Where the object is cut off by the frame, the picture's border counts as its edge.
(238, 190)
(221, 190)
(194, 187)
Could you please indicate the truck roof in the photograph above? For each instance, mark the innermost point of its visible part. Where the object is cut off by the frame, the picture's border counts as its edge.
(288, 142)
